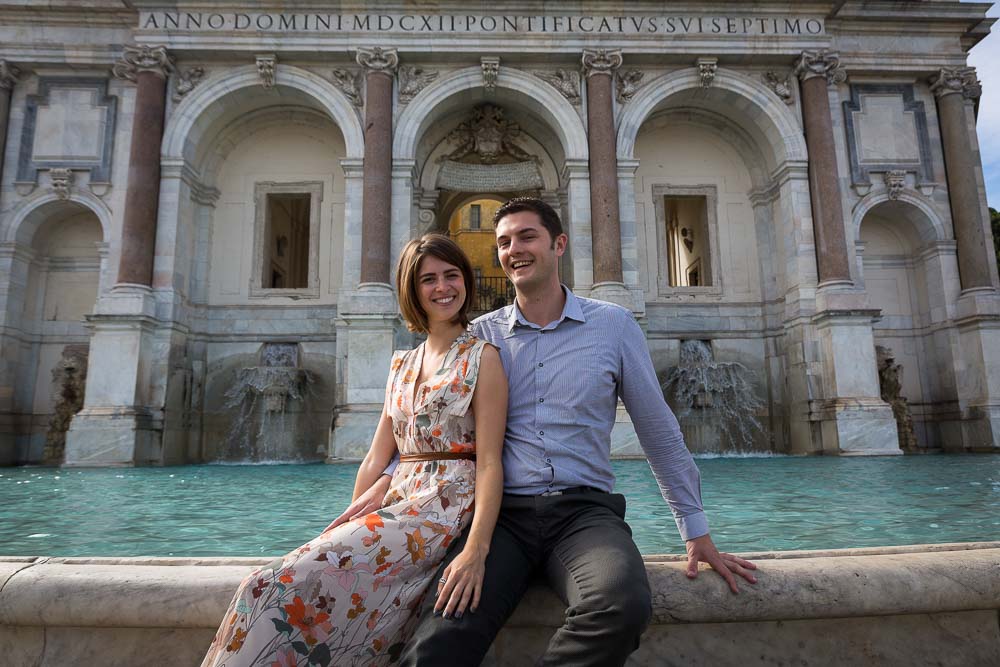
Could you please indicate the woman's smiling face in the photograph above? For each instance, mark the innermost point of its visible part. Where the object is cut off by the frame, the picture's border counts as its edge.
(440, 289)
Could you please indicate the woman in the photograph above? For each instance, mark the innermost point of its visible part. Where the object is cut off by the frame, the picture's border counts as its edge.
(350, 596)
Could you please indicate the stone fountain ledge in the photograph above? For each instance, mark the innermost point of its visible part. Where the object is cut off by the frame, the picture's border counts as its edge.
(924, 604)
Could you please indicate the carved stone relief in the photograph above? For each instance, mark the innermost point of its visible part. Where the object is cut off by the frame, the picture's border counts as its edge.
(781, 86)
(707, 67)
(62, 179)
(186, 82)
(413, 79)
(349, 83)
(265, 68)
(895, 182)
(567, 82)
(9, 74)
(491, 70)
(823, 63)
(628, 84)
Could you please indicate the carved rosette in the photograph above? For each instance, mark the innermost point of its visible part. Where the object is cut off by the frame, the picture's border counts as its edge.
(951, 80)
(491, 70)
(377, 59)
(707, 67)
(62, 179)
(895, 183)
(565, 81)
(265, 68)
(782, 87)
(9, 74)
(627, 84)
(820, 63)
(413, 79)
(136, 59)
(601, 61)
(349, 83)
(186, 82)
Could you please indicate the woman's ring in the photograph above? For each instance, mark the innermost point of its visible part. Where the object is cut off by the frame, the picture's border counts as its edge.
(442, 580)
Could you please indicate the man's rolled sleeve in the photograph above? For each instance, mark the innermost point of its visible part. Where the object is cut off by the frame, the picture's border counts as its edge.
(660, 434)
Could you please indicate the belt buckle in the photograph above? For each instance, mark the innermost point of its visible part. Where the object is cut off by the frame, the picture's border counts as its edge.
(551, 493)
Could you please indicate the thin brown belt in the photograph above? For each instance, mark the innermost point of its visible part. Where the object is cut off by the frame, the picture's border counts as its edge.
(437, 456)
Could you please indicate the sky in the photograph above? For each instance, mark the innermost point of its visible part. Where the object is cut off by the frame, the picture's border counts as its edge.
(984, 57)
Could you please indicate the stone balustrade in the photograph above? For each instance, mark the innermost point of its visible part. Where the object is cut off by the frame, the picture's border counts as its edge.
(930, 604)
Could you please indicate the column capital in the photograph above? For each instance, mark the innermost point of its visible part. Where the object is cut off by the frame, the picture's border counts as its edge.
(953, 80)
(136, 59)
(820, 63)
(601, 61)
(9, 74)
(377, 59)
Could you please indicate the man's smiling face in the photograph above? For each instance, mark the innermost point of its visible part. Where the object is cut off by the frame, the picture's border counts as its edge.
(528, 253)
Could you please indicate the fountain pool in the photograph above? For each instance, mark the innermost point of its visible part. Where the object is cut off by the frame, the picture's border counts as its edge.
(754, 504)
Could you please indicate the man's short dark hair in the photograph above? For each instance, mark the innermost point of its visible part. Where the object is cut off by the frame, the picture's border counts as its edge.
(547, 214)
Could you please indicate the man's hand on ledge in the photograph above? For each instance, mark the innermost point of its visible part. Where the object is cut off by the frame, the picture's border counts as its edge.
(365, 504)
(701, 549)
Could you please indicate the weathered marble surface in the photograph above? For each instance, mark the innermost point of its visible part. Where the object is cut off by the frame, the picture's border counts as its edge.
(933, 604)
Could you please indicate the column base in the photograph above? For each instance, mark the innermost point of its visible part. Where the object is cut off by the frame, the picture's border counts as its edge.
(857, 427)
(613, 292)
(99, 437)
(352, 433)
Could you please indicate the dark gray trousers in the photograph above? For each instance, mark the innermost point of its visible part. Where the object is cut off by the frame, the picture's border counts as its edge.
(582, 546)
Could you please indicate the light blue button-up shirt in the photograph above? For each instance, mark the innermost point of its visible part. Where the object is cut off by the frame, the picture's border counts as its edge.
(565, 379)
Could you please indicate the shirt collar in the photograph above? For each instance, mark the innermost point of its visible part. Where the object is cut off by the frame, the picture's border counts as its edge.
(571, 310)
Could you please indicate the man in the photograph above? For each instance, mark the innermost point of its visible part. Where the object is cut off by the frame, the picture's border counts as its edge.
(567, 360)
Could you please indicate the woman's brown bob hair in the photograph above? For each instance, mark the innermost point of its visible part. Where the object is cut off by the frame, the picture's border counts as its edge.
(407, 275)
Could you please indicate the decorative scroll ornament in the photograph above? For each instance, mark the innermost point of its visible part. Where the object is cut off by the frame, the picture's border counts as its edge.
(565, 81)
(187, 81)
(820, 63)
(377, 59)
(62, 179)
(781, 87)
(491, 70)
(628, 83)
(957, 80)
(265, 68)
(707, 67)
(412, 80)
(489, 135)
(135, 59)
(9, 74)
(895, 183)
(601, 61)
(349, 83)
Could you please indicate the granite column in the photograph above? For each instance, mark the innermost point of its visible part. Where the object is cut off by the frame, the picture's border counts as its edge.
(817, 70)
(148, 67)
(953, 88)
(380, 66)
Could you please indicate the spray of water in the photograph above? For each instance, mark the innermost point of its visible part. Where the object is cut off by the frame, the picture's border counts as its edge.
(716, 395)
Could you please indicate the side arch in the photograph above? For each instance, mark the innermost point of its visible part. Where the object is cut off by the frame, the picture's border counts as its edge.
(912, 207)
(200, 109)
(748, 102)
(531, 92)
(29, 215)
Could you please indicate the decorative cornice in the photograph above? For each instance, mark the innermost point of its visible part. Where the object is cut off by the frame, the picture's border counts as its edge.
(782, 87)
(266, 63)
(953, 80)
(136, 59)
(707, 67)
(567, 82)
(601, 61)
(413, 79)
(823, 63)
(491, 70)
(349, 83)
(186, 81)
(9, 74)
(377, 59)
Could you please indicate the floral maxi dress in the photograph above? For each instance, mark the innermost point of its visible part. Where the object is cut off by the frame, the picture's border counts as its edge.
(350, 596)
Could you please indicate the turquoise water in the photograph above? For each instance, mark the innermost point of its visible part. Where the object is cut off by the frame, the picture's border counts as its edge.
(754, 504)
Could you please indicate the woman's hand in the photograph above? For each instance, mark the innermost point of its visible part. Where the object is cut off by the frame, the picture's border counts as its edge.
(366, 503)
(462, 583)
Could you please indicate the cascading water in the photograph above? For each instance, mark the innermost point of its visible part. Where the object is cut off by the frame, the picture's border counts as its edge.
(715, 402)
(262, 395)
